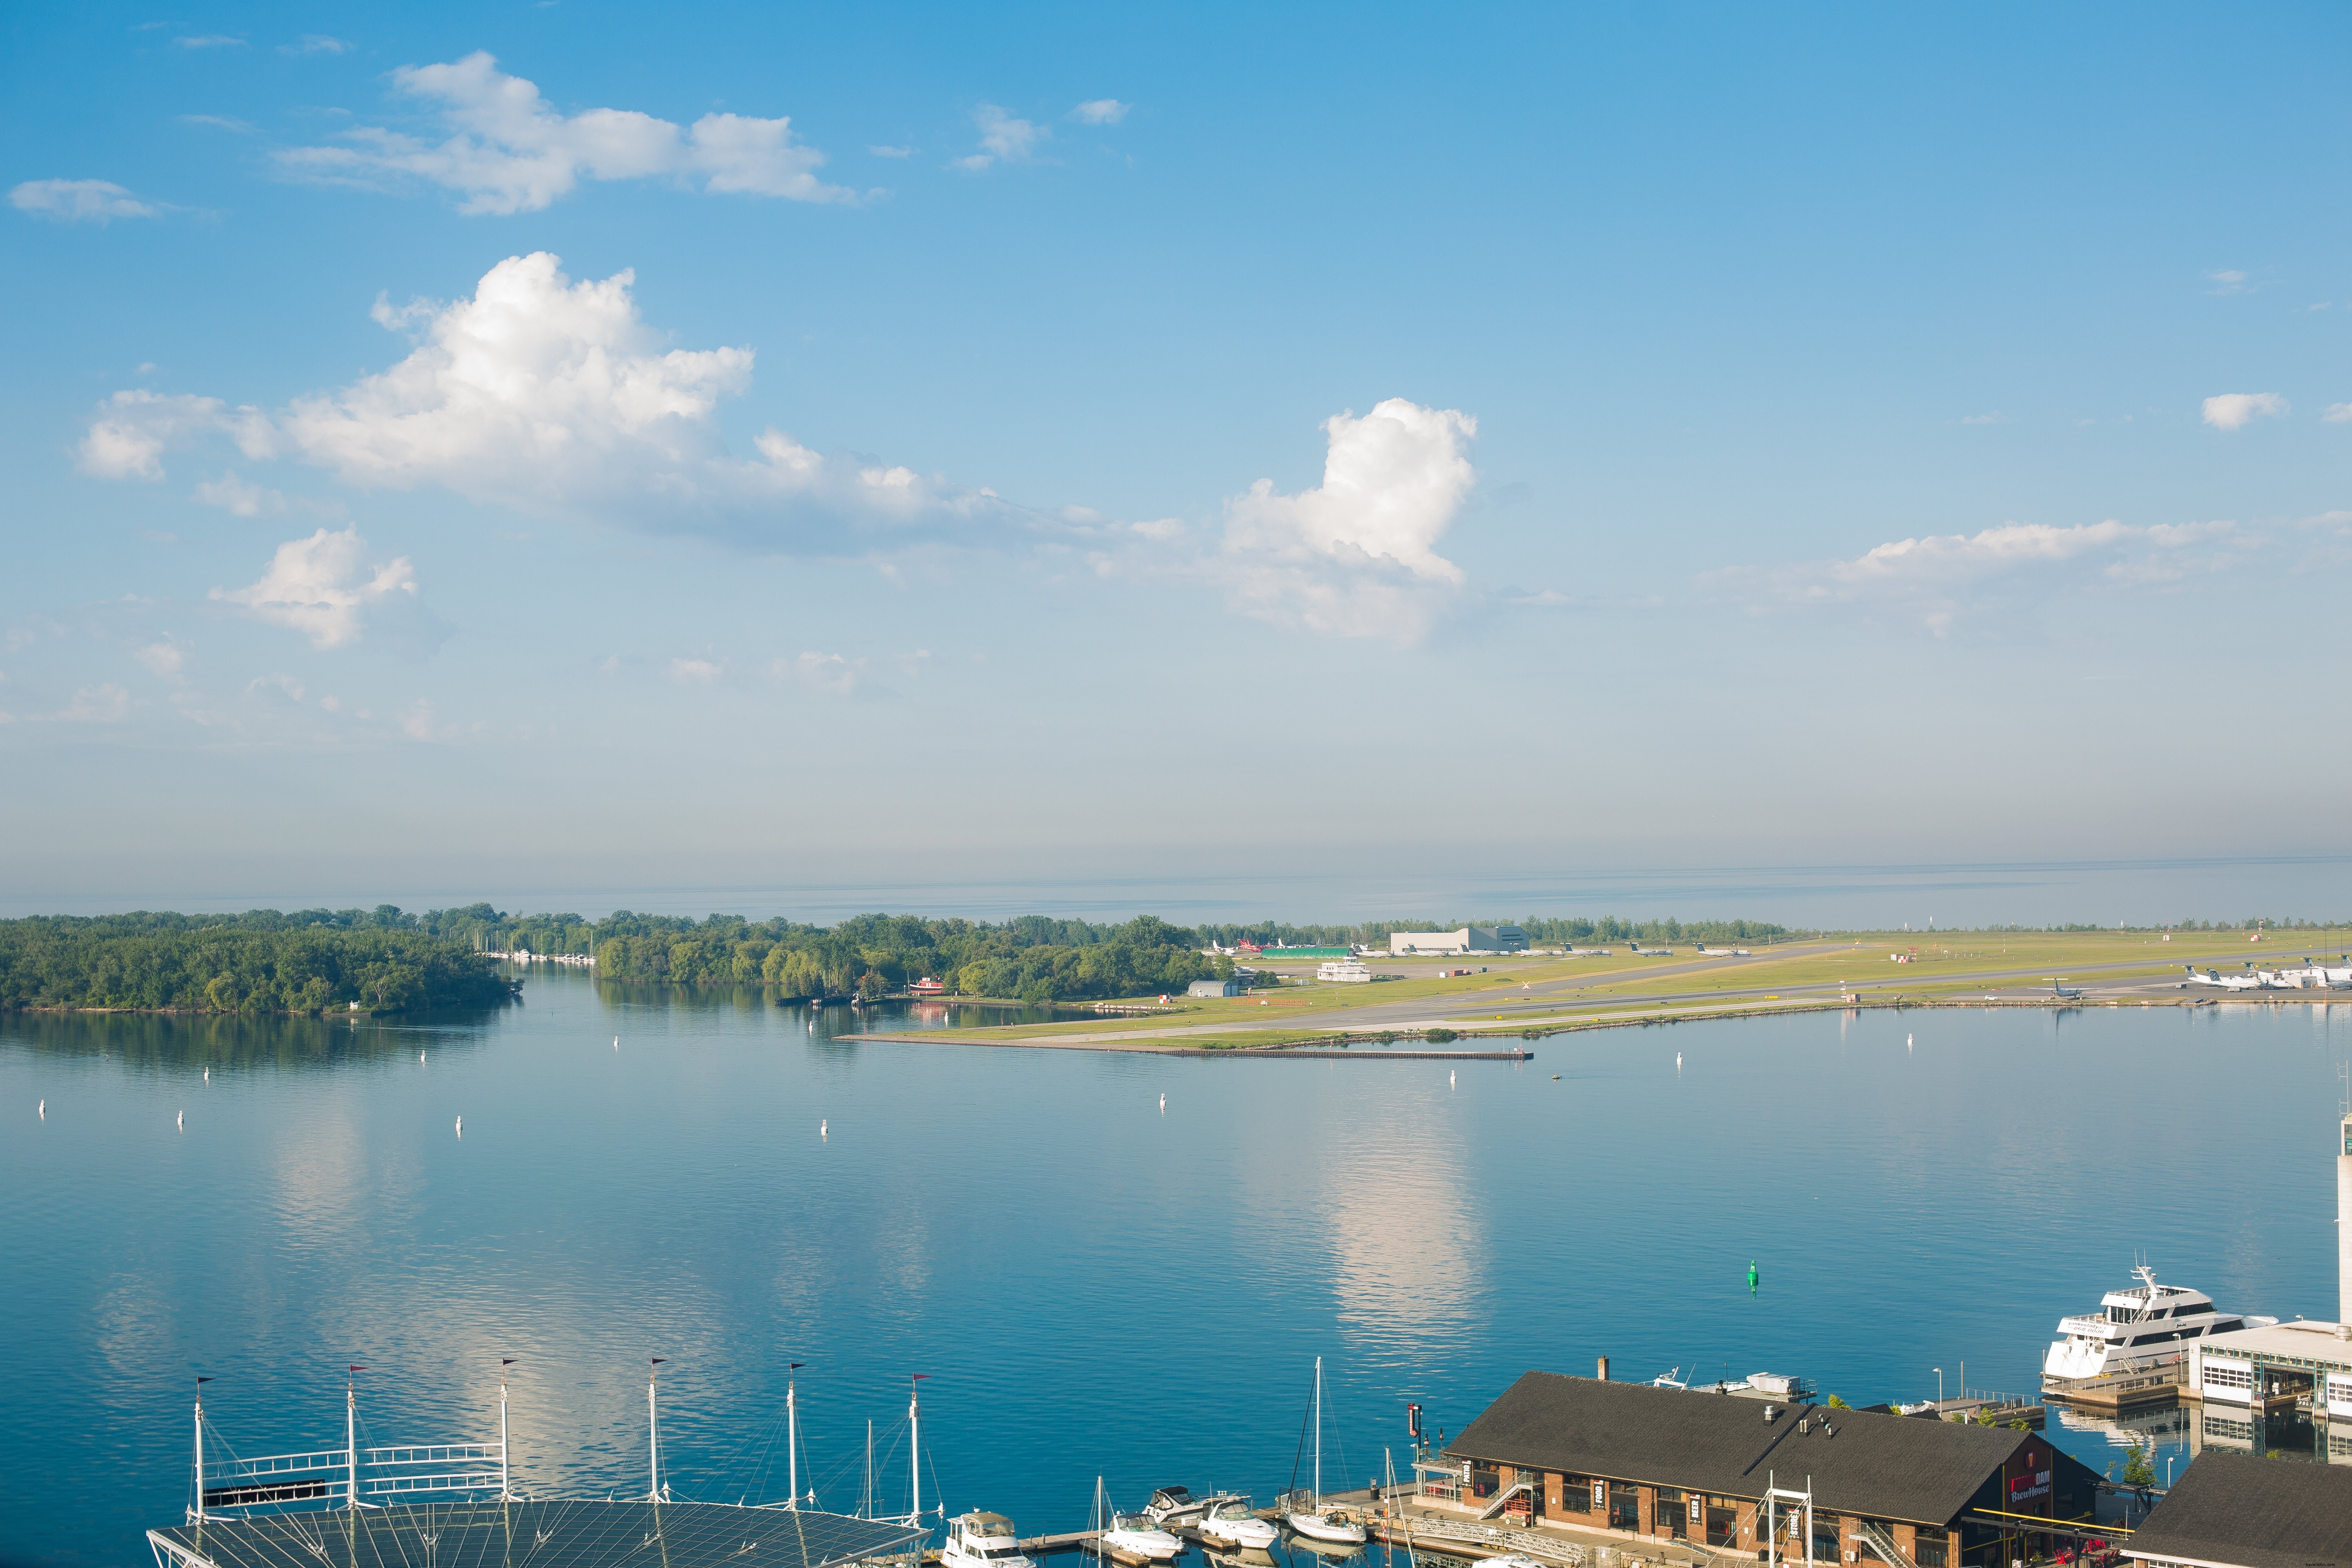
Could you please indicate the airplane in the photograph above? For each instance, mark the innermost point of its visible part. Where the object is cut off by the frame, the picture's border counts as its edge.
(1724, 952)
(2058, 988)
(2226, 981)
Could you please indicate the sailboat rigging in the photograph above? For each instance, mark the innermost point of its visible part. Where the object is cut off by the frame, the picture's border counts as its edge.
(1306, 1512)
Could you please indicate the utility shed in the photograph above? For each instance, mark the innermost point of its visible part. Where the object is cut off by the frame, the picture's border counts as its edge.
(2235, 1511)
(1674, 1464)
(1214, 988)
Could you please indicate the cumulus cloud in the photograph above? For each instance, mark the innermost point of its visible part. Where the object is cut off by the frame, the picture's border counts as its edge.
(318, 44)
(166, 657)
(2229, 280)
(2338, 414)
(1357, 555)
(700, 671)
(1100, 111)
(1935, 575)
(550, 396)
(834, 673)
(78, 201)
(2236, 410)
(892, 151)
(510, 150)
(321, 587)
(1003, 138)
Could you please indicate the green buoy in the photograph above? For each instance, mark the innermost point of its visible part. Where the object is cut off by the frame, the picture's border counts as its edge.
(1751, 1277)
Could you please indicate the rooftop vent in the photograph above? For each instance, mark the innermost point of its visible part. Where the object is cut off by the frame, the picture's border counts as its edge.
(1803, 1425)
(1771, 1414)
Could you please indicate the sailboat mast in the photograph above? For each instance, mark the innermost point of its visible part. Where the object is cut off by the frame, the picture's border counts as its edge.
(506, 1491)
(915, 1449)
(200, 1453)
(1318, 1433)
(653, 1430)
(865, 1504)
(350, 1441)
(792, 1440)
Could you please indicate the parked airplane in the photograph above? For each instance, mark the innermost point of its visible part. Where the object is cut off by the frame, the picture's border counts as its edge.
(2226, 981)
(2058, 986)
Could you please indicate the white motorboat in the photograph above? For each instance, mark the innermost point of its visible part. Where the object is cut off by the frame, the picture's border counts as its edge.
(1233, 1523)
(1132, 1538)
(983, 1541)
(2138, 1326)
(1173, 1506)
(1305, 1512)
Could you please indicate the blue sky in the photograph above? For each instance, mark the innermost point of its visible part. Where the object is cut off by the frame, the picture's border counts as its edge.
(567, 446)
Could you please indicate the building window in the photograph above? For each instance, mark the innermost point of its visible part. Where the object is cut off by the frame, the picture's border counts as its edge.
(1670, 1516)
(1624, 1506)
(2227, 1376)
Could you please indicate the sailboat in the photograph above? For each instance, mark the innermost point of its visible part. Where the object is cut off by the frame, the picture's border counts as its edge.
(1335, 1527)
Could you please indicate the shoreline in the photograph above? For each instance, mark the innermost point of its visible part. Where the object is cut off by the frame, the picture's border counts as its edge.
(1333, 1046)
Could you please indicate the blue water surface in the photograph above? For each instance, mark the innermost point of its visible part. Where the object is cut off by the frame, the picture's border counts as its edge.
(1093, 1285)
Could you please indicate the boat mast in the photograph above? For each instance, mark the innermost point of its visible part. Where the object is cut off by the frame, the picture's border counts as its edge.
(506, 1488)
(865, 1504)
(1318, 1433)
(792, 1436)
(653, 1432)
(352, 1438)
(915, 1449)
(198, 1514)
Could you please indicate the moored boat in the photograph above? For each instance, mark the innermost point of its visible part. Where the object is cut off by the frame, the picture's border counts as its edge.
(981, 1540)
(1306, 1512)
(2139, 1326)
(1233, 1523)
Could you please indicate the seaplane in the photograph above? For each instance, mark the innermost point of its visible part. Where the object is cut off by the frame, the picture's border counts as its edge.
(2226, 981)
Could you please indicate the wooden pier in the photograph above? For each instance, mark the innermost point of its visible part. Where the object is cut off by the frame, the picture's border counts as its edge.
(2147, 1388)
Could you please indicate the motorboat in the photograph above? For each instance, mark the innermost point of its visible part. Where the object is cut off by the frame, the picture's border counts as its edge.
(983, 1541)
(2138, 1326)
(1173, 1506)
(1132, 1538)
(1233, 1523)
(1306, 1512)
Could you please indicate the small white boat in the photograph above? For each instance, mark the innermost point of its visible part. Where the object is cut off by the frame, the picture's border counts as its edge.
(1234, 1523)
(1177, 1505)
(1305, 1512)
(1132, 1538)
(983, 1541)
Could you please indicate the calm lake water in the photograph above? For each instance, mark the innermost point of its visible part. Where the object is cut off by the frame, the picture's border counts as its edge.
(1095, 1286)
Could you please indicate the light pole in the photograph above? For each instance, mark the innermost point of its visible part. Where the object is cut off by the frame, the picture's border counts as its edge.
(1939, 1391)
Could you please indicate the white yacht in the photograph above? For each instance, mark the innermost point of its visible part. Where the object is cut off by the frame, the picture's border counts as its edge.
(2137, 1326)
(983, 1541)
(1132, 1538)
(1233, 1523)
(1177, 1505)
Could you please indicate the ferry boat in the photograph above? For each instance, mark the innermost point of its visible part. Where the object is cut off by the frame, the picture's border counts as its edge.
(983, 1541)
(2137, 1326)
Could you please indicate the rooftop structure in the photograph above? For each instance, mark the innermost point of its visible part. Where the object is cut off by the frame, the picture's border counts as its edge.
(2238, 1510)
(1697, 1467)
(1468, 939)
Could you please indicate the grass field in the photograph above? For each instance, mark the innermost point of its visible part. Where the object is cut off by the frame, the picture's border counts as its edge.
(1512, 996)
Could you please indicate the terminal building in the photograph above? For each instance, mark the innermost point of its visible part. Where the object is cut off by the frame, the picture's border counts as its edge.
(1469, 939)
(1671, 1465)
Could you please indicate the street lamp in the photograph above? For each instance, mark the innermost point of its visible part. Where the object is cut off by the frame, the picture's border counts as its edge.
(1939, 1391)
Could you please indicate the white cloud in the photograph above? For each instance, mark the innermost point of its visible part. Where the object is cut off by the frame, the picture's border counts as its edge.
(318, 44)
(220, 123)
(2228, 281)
(1003, 138)
(892, 151)
(510, 150)
(210, 41)
(553, 396)
(418, 722)
(128, 437)
(831, 672)
(240, 498)
(2338, 414)
(1357, 555)
(106, 704)
(320, 586)
(1995, 417)
(701, 671)
(166, 657)
(1100, 111)
(78, 201)
(1933, 573)
(2236, 410)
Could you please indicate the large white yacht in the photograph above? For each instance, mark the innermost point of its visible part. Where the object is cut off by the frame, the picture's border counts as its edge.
(2137, 1326)
(983, 1541)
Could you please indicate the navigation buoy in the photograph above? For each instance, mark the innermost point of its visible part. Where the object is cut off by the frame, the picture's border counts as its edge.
(821, 1126)
(1163, 1105)
(45, 1110)
(1751, 1277)
(1449, 1078)
(461, 1127)
(616, 1042)
(1907, 1042)
(181, 1122)
(209, 1074)
(420, 1059)
(1679, 1062)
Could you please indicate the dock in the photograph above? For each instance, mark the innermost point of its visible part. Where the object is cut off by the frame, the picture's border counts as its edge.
(2116, 1393)
(1039, 1545)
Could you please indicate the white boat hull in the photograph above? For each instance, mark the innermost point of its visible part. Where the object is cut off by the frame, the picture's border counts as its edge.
(1247, 1532)
(1324, 1528)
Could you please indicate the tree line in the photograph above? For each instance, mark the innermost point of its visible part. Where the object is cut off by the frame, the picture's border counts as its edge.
(1545, 931)
(263, 962)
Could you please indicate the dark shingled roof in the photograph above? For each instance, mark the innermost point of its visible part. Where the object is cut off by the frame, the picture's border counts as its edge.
(1886, 1466)
(2251, 1512)
(557, 1534)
